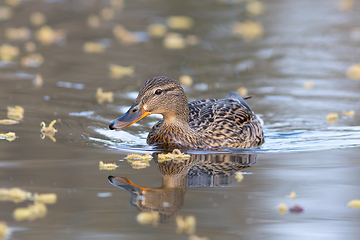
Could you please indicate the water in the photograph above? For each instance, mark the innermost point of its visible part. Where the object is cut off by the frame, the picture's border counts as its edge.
(303, 152)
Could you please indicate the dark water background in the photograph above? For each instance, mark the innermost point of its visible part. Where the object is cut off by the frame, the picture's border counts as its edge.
(303, 41)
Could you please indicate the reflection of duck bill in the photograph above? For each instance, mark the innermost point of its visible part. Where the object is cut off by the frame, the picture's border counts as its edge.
(126, 184)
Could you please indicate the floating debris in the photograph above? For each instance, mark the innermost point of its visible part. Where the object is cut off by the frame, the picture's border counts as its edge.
(46, 35)
(282, 208)
(124, 36)
(174, 41)
(180, 22)
(47, 198)
(32, 212)
(5, 13)
(16, 113)
(242, 91)
(239, 176)
(93, 21)
(8, 121)
(33, 60)
(38, 81)
(5, 232)
(248, 30)
(15, 195)
(30, 47)
(296, 209)
(10, 136)
(156, 30)
(185, 80)
(293, 195)
(187, 225)
(353, 72)
(354, 203)
(94, 47)
(176, 155)
(308, 84)
(145, 218)
(332, 117)
(107, 166)
(117, 4)
(348, 114)
(107, 13)
(139, 161)
(118, 71)
(37, 19)
(346, 5)
(8, 52)
(15, 34)
(104, 96)
(255, 8)
(48, 131)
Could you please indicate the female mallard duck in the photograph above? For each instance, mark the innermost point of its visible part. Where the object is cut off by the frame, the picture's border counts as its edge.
(202, 124)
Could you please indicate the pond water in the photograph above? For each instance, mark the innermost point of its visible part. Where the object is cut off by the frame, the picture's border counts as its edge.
(296, 70)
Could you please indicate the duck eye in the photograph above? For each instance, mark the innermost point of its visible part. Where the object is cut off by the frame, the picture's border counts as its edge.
(158, 91)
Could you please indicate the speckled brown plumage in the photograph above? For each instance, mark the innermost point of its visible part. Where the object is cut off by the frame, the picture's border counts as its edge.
(203, 124)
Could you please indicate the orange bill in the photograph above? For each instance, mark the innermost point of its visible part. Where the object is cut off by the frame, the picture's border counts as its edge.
(130, 117)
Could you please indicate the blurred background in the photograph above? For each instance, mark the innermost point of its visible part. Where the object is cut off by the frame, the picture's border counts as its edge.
(82, 62)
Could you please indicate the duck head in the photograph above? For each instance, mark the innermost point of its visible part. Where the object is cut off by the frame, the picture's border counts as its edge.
(158, 95)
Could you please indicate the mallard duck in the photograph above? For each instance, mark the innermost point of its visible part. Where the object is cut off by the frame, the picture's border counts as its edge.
(203, 124)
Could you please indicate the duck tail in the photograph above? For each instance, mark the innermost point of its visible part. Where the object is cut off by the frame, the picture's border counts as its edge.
(236, 96)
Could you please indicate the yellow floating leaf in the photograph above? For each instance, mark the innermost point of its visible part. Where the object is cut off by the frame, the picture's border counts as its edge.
(16, 112)
(180, 22)
(46, 35)
(176, 155)
(33, 60)
(8, 121)
(118, 71)
(8, 52)
(156, 30)
(10, 136)
(15, 195)
(346, 5)
(282, 208)
(49, 129)
(47, 198)
(187, 225)
(124, 36)
(185, 80)
(255, 8)
(13, 3)
(94, 47)
(21, 33)
(104, 96)
(195, 237)
(354, 203)
(248, 30)
(174, 41)
(348, 114)
(5, 13)
(239, 176)
(145, 218)
(37, 18)
(242, 91)
(117, 4)
(30, 47)
(138, 157)
(293, 195)
(308, 84)
(353, 72)
(38, 81)
(107, 166)
(93, 21)
(5, 232)
(107, 13)
(332, 117)
(32, 212)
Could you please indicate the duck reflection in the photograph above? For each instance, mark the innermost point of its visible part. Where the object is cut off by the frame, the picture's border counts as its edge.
(210, 170)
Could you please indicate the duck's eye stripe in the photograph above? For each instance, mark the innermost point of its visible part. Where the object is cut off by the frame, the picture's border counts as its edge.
(158, 91)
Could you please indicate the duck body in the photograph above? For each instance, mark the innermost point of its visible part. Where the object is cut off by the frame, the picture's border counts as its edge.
(207, 124)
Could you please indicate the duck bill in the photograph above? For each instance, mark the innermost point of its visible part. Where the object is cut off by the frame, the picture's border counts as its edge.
(129, 118)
